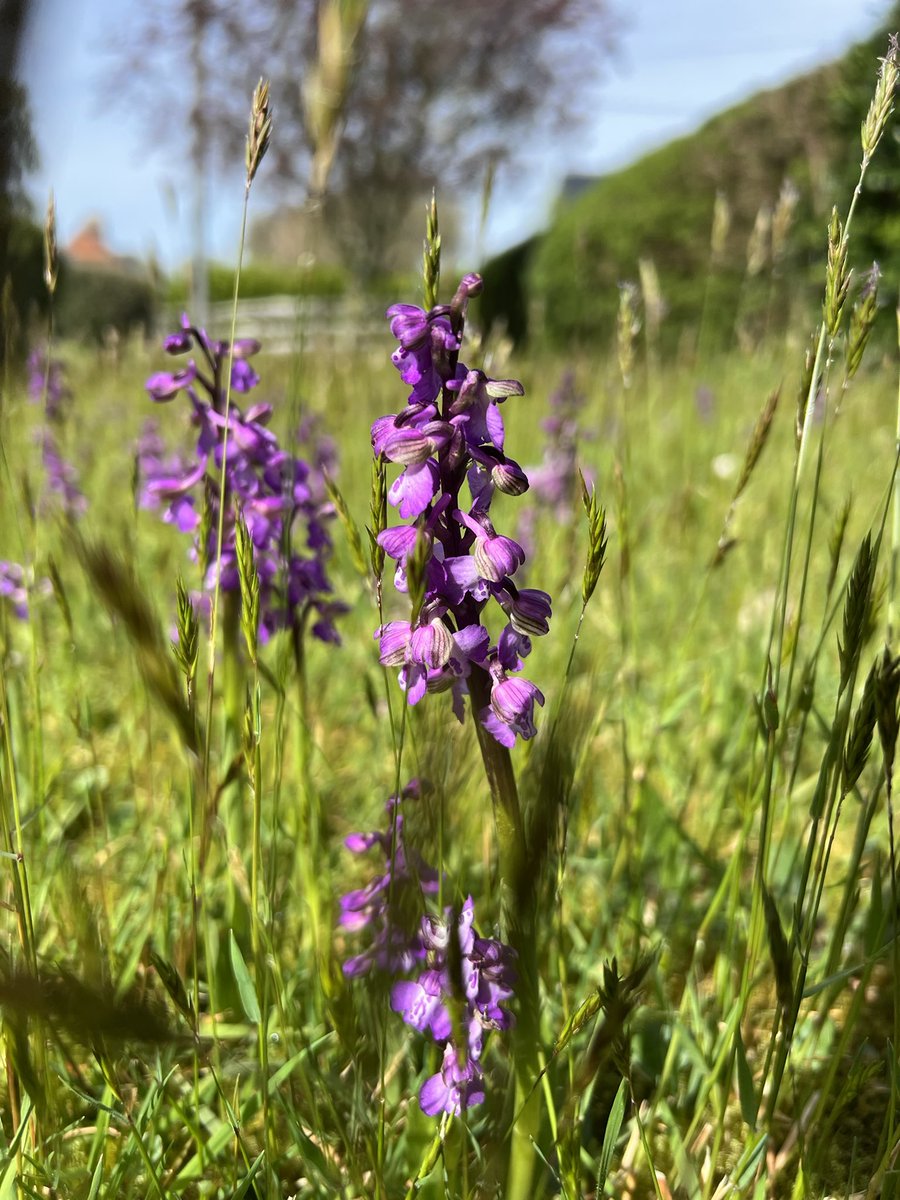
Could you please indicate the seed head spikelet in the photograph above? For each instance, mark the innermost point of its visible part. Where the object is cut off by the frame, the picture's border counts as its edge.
(260, 131)
(186, 649)
(597, 540)
(378, 514)
(882, 102)
(862, 318)
(248, 582)
(859, 740)
(51, 250)
(856, 609)
(837, 275)
(887, 714)
(351, 529)
(431, 255)
(757, 443)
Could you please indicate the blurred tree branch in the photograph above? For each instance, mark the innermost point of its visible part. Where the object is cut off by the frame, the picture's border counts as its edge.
(380, 99)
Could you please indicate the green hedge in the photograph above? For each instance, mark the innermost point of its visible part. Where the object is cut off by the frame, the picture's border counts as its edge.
(90, 302)
(261, 280)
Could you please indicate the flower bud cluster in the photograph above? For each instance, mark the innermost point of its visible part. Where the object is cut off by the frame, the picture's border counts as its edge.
(273, 489)
(451, 435)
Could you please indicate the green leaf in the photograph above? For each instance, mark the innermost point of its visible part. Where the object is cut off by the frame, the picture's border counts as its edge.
(749, 1161)
(247, 1181)
(246, 990)
(611, 1136)
(746, 1091)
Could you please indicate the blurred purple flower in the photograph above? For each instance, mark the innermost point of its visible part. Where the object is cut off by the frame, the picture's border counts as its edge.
(17, 584)
(280, 495)
(13, 589)
(554, 481)
(62, 478)
(390, 906)
(47, 385)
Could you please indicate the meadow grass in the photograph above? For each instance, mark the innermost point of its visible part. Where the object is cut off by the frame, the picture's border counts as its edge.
(708, 891)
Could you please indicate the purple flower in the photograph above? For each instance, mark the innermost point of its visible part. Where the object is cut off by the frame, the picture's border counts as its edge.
(511, 709)
(283, 499)
(475, 978)
(455, 1087)
(554, 481)
(62, 478)
(47, 385)
(13, 588)
(451, 434)
(389, 907)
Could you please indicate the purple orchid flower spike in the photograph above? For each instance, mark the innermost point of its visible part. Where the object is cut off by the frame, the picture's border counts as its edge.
(476, 977)
(283, 499)
(449, 435)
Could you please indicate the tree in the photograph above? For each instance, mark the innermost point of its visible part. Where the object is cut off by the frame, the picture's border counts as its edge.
(20, 261)
(395, 96)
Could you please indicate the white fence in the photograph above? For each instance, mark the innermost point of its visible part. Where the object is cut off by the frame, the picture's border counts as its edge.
(288, 324)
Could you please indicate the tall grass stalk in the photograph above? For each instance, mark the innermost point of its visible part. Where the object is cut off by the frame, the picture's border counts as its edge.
(257, 144)
(773, 700)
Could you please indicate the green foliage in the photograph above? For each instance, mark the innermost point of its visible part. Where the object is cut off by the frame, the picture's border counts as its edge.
(661, 208)
(504, 300)
(261, 280)
(23, 295)
(90, 302)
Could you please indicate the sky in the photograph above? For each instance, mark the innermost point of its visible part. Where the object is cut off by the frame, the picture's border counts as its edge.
(677, 63)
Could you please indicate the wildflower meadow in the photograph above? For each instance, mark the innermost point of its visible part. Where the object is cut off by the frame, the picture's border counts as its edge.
(438, 766)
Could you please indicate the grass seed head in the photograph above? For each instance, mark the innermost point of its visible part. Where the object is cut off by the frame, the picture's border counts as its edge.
(378, 514)
(837, 275)
(721, 225)
(351, 529)
(859, 741)
(627, 328)
(757, 442)
(186, 649)
(760, 241)
(260, 129)
(887, 700)
(856, 610)
(862, 318)
(51, 250)
(597, 540)
(431, 254)
(783, 219)
(248, 581)
(882, 102)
